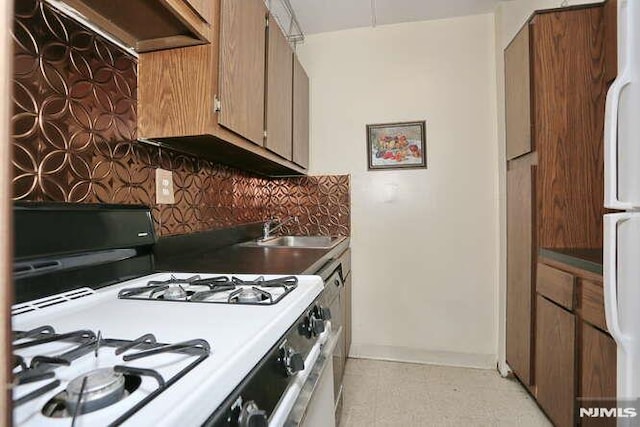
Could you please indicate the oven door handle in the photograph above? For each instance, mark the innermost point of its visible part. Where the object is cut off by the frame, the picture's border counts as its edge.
(299, 410)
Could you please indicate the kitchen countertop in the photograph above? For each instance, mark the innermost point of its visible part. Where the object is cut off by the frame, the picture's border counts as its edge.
(198, 254)
(585, 259)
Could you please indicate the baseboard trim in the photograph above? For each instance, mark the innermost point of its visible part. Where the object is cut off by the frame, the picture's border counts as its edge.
(428, 357)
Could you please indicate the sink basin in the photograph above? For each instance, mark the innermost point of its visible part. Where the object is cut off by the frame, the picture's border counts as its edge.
(311, 242)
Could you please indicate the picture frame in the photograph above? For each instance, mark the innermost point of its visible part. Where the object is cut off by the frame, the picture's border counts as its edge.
(399, 145)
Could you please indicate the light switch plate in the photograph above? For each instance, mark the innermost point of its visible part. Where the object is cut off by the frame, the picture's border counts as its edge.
(164, 187)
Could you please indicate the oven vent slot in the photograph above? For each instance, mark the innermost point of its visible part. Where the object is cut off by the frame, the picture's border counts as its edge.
(41, 303)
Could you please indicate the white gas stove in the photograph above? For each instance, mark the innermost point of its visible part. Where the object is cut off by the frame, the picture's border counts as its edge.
(237, 337)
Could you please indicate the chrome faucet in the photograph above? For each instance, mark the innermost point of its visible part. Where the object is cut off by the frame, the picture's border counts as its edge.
(267, 226)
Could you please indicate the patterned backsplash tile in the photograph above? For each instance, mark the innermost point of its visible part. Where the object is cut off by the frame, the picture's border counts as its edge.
(74, 140)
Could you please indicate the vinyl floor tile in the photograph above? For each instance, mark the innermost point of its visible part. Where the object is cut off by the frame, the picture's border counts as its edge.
(390, 394)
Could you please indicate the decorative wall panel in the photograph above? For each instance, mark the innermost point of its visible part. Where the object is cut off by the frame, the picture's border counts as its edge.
(321, 203)
(74, 140)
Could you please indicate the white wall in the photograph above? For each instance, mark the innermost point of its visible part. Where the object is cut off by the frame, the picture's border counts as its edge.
(510, 16)
(425, 266)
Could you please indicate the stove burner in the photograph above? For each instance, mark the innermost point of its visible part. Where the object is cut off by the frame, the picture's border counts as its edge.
(248, 295)
(101, 388)
(175, 292)
(252, 295)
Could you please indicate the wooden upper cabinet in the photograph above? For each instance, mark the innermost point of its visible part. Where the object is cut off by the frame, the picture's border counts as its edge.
(204, 8)
(520, 258)
(279, 93)
(148, 25)
(555, 361)
(611, 40)
(518, 95)
(569, 96)
(177, 91)
(300, 114)
(242, 67)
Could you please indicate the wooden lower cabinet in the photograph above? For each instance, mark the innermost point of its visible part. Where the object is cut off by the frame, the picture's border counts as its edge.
(575, 358)
(598, 373)
(555, 361)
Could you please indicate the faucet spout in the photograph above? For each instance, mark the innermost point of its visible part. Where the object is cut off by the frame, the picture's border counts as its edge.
(268, 228)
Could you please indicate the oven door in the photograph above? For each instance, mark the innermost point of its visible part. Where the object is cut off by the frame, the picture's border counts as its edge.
(314, 404)
(333, 296)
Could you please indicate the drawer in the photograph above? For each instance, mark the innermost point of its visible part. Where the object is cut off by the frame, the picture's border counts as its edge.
(557, 285)
(345, 260)
(592, 303)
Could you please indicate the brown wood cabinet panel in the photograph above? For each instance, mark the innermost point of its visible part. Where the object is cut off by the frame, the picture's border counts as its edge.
(167, 23)
(242, 67)
(518, 95)
(204, 8)
(598, 355)
(172, 88)
(6, 246)
(300, 114)
(520, 196)
(611, 40)
(555, 362)
(348, 327)
(569, 96)
(592, 303)
(556, 285)
(279, 92)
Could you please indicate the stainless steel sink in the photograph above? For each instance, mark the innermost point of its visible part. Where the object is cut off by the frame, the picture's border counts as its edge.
(311, 242)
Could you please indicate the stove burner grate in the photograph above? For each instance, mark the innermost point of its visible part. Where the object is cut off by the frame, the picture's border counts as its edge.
(102, 387)
(253, 292)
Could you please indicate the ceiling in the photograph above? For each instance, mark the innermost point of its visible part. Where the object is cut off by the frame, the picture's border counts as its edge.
(319, 16)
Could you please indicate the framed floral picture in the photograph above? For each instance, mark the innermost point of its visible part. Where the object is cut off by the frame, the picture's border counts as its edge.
(397, 145)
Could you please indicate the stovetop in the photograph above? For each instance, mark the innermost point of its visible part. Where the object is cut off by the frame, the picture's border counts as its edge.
(223, 343)
(216, 289)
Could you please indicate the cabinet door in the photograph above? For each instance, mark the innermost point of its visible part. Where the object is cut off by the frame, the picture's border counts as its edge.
(279, 92)
(520, 196)
(518, 95)
(555, 361)
(204, 8)
(242, 67)
(347, 315)
(300, 114)
(598, 377)
(610, 40)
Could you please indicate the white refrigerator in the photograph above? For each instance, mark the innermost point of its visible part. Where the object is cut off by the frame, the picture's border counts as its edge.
(622, 192)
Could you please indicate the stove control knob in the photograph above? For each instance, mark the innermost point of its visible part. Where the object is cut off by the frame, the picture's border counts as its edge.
(252, 416)
(293, 363)
(322, 312)
(291, 360)
(317, 325)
